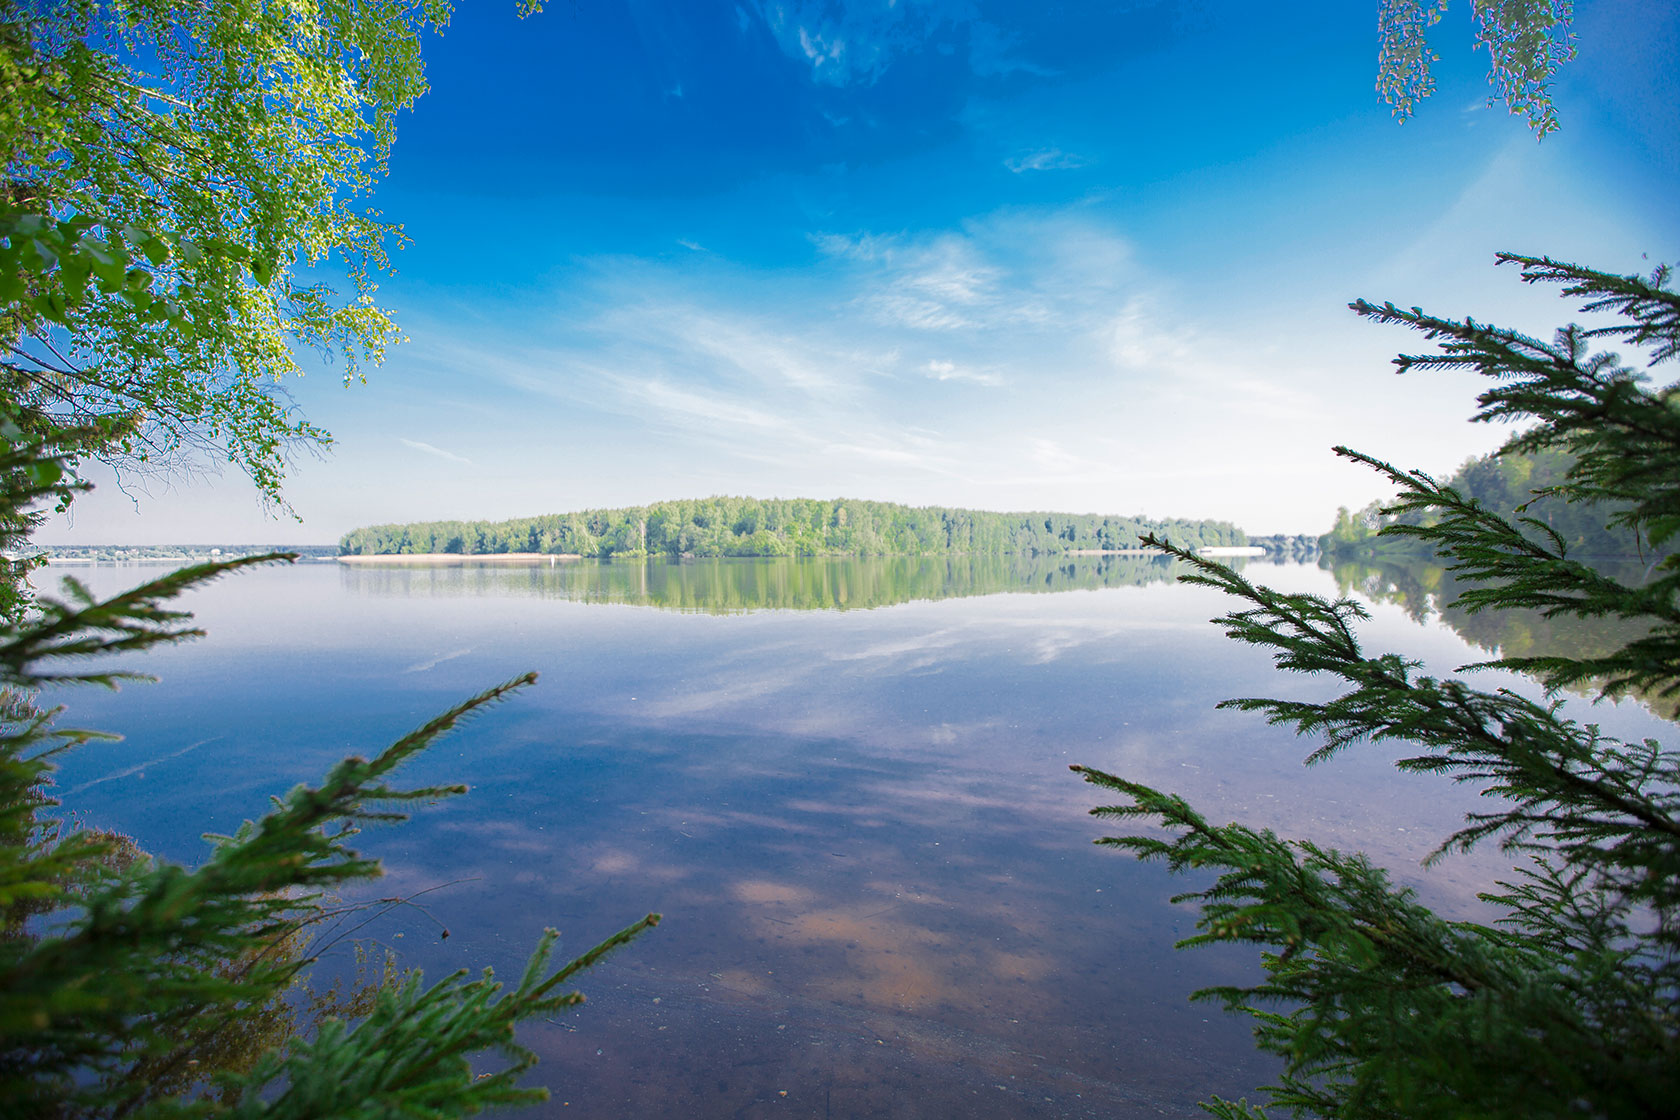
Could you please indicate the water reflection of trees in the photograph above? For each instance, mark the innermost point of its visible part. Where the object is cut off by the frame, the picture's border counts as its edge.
(209, 1044)
(1427, 592)
(732, 586)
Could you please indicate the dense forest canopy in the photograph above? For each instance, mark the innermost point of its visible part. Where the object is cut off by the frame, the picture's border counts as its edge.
(721, 526)
(1510, 483)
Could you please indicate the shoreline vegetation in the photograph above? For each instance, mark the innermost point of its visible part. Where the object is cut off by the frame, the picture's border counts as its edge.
(1528, 487)
(123, 554)
(735, 526)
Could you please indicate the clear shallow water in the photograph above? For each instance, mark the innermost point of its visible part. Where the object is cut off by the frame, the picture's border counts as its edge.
(879, 890)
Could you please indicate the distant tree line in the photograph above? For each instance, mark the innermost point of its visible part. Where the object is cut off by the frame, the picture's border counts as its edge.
(1511, 484)
(125, 552)
(723, 526)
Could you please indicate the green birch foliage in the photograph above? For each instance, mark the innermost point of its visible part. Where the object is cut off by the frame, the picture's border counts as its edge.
(1568, 1003)
(151, 220)
(212, 159)
(1527, 42)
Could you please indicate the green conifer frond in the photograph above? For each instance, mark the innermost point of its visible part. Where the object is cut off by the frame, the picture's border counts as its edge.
(82, 626)
(1625, 438)
(1508, 569)
(121, 977)
(1568, 1003)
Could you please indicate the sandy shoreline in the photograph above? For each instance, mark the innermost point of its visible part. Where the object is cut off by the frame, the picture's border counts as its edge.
(434, 559)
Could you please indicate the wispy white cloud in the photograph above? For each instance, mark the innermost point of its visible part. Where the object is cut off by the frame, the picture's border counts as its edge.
(826, 363)
(741, 382)
(898, 448)
(761, 353)
(781, 437)
(1050, 458)
(844, 376)
(858, 247)
(430, 450)
(822, 49)
(1045, 159)
(852, 43)
(1140, 339)
(938, 284)
(992, 53)
(941, 370)
(1011, 272)
(709, 412)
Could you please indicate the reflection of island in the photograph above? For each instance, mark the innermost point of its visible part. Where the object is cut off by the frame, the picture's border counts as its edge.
(1426, 591)
(732, 586)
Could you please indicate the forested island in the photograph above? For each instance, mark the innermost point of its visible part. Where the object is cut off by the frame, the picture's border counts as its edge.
(728, 526)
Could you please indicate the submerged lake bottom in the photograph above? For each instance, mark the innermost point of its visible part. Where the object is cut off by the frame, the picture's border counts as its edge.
(844, 784)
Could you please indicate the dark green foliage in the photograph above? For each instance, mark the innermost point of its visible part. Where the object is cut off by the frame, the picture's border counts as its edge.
(1569, 1003)
(1515, 484)
(1593, 478)
(27, 476)
(1594, 407)
(783, 527)
(1507, 568)
(1429, 594)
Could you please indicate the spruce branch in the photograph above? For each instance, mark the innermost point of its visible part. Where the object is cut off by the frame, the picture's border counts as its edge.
(1625, 438)
(414, 1047)
(1569, 1000)
(1355, 966)
(130, 978)
(1506, 569)
(83, 626)
(1508, 744)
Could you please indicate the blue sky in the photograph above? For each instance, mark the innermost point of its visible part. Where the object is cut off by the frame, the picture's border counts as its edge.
(1085, 257)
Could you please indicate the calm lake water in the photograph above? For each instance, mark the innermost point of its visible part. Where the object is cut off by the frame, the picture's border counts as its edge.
(844, 783)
